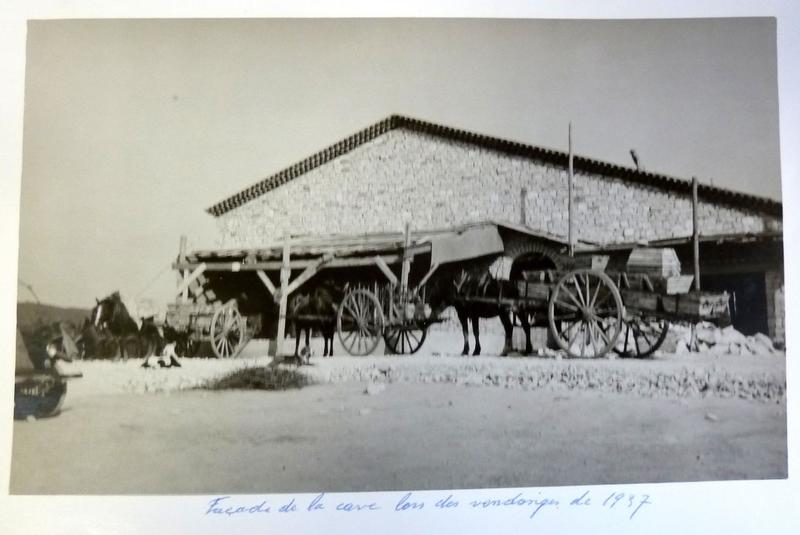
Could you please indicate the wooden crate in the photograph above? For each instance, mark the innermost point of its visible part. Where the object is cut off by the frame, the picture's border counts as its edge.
(640, 300)
(679, 284)
(697, 305)
(534, 290)
(594, 262)
(655, 262)
(182, 314)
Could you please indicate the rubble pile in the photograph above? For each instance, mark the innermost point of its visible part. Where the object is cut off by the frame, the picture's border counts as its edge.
(673, 382)
(720, 341)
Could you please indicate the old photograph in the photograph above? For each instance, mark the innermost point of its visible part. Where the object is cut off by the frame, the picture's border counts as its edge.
(306, 255)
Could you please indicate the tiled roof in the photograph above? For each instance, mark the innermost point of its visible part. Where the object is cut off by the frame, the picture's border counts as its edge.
(705, 192)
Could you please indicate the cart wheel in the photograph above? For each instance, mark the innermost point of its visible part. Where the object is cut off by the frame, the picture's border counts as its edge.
(359, 322)
(227, 332)
(405, 339)
(641, 338)
(585, 313)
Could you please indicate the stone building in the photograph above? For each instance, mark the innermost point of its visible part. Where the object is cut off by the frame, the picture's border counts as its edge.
(403, 169)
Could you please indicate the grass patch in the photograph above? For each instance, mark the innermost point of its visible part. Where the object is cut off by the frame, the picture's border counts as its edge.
(260, 378)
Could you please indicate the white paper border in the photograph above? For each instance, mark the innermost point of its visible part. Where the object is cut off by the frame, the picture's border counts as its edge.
(727, 507)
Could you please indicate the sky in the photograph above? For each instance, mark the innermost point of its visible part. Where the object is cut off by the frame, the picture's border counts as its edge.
(132, 128)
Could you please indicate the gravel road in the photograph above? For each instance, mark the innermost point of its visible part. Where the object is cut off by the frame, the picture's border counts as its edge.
(408, 436)
(426, 421)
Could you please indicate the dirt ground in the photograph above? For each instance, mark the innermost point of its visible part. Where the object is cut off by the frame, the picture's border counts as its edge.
(334, 437)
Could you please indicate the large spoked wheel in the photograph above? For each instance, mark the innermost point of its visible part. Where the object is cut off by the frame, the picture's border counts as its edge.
(359, 322)
(641, 338)
(227, 332)
(403, 335)
(585, 313)
(405, 339)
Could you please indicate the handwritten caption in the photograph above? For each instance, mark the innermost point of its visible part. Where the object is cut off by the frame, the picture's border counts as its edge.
(623, 503)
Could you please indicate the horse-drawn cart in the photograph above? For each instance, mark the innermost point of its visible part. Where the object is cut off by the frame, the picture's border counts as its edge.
(379, 283)
(591, 312)
(221, 325)
(393, 286)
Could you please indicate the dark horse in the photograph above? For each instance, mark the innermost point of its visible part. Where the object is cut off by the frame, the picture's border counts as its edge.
(111, 327)
(475, 295)
(315, 309)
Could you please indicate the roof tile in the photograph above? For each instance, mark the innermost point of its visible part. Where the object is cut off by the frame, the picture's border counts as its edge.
(705, 192)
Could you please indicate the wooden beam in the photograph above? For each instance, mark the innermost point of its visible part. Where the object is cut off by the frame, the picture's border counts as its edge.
(386, 270)
(427, 276)
(294, 264)
(309, 272)
(286, 272)
(266, 281)
(695, 236)
(182, 249)
(570, 210)
(183, 285)
(189, 278)
(195, 288)
(406, 260)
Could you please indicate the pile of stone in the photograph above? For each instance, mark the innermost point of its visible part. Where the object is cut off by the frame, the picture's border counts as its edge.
(720, 341)
(646, 381)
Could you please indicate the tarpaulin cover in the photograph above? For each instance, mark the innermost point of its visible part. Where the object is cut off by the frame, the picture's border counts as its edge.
(24, 363)
(471, 243)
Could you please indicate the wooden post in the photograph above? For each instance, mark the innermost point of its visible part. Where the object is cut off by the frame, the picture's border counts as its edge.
(283, 301)
(406, 260)
(570, 215)
(695, 236)
(183, 297)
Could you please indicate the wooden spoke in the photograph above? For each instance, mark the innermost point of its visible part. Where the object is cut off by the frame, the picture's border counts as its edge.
(227, 332)
(642, 337)
(568, 328)
(571, 296)
(603, 333)
(590, 338)
(568, 306)
(580, 292)
(593, 322)
(405, 339)
(569, 316)
(359, 322)
(593, 302)
(577, 332)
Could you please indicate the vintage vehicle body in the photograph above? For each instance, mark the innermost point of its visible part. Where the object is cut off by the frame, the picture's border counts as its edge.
(39, 386)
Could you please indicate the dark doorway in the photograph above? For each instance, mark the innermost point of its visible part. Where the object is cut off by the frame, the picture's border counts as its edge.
(748, 300)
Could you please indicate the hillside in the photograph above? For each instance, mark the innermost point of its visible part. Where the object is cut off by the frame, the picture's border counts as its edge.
(29, 314)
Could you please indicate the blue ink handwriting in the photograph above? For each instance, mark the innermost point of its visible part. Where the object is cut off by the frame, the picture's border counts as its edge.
(617, 501)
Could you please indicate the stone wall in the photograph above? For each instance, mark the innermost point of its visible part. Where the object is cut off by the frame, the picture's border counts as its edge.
(436, 182)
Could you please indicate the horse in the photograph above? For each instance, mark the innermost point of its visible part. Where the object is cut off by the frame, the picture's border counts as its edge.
(315, 309)
(458, 289)
(111, 313)
(111, 316)
(111, 329)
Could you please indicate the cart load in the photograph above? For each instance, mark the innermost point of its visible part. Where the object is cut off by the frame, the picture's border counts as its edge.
(592, 311)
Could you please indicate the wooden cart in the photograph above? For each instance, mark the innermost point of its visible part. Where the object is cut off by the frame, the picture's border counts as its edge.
(383, 274)
(221, 325)
(591, 312)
